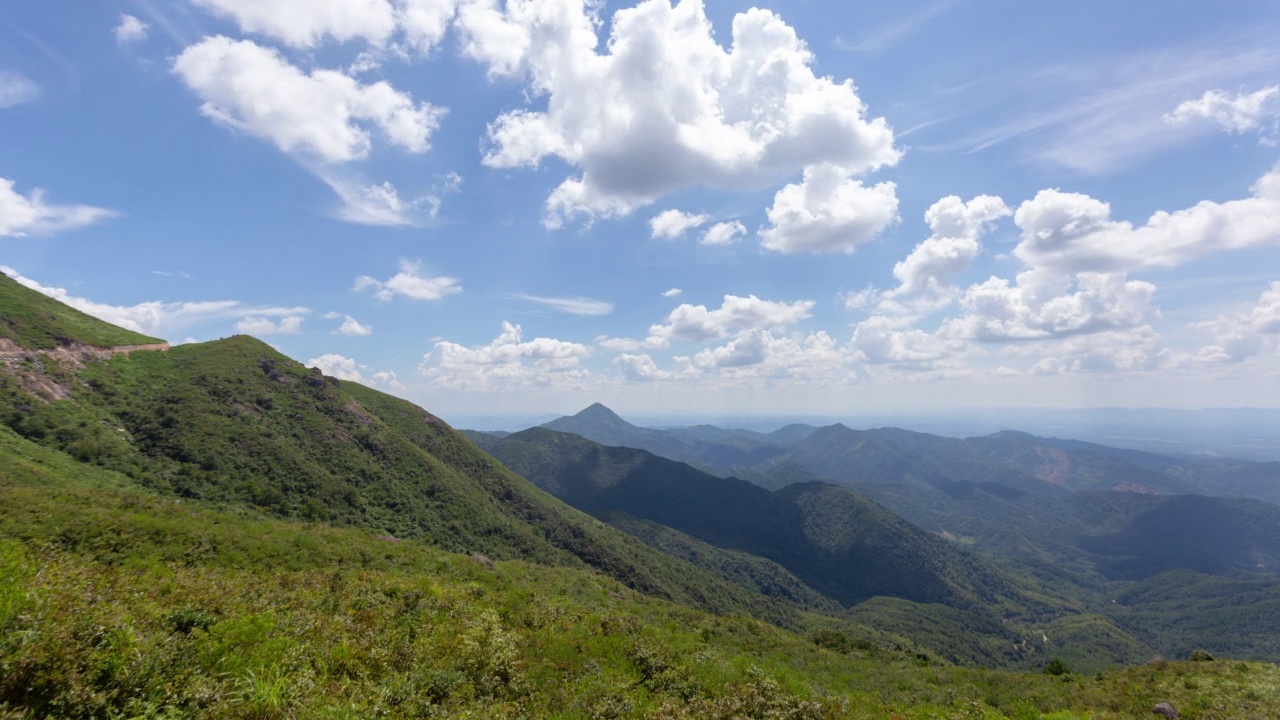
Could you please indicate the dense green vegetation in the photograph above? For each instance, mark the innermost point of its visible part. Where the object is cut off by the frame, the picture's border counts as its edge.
(31, 320)
(751, 571)
(115, 602)
(832, 539)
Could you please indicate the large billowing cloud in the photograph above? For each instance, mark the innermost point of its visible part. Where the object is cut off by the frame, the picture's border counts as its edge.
(1078, 259)
(1075, 283)
(663, 106)
(30, 215)
(322, 115)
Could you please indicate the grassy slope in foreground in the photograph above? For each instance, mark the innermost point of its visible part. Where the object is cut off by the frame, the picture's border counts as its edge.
(118, 603)
(31, 320)
(235, 423)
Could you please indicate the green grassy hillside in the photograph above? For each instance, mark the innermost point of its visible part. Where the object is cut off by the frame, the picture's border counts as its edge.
(32, 320)
(234, 423)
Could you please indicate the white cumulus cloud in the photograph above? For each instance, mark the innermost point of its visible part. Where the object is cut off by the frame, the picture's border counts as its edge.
(724, 233)
(1240, 336)
(696, 323)
(30, 215)
(670, 224)
(258, 325)
(1041, 305)
(419, 24)
(828, 211)
(927, 277)
(304, 23)
(642, 368)
(880, 341)
(1236, 113)
(410, 283)
(509, 361)
(321, 115)
(130, 30)
(345, 368)
(353, 328)
(1071, 232)
(339, 366)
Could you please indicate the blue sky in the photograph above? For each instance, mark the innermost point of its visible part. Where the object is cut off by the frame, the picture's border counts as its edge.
(496, 207)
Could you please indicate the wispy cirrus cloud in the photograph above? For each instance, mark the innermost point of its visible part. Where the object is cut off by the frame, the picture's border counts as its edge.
(572, 305)
(1096, 115)
(887, 36)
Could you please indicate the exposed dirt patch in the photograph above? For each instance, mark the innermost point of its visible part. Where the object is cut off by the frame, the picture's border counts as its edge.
(359, 412)
(33, 368)
(1056, 466)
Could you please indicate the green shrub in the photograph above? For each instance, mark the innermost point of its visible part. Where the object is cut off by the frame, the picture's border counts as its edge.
(1056, 667)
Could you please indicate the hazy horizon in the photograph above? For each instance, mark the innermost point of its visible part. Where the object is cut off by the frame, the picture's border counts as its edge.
(1245, 433)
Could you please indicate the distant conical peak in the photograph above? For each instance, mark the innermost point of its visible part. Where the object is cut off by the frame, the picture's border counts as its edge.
(598, 410)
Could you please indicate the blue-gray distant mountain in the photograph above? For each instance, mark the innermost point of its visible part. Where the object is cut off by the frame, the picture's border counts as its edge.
(839, 454)
(602, 425)
(1077, 551)
(833, 539)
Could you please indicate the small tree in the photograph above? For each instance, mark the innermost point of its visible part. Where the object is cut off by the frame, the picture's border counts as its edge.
(1056, 667)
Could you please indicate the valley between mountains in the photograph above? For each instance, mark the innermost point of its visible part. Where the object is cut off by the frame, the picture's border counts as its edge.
(215, 530)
